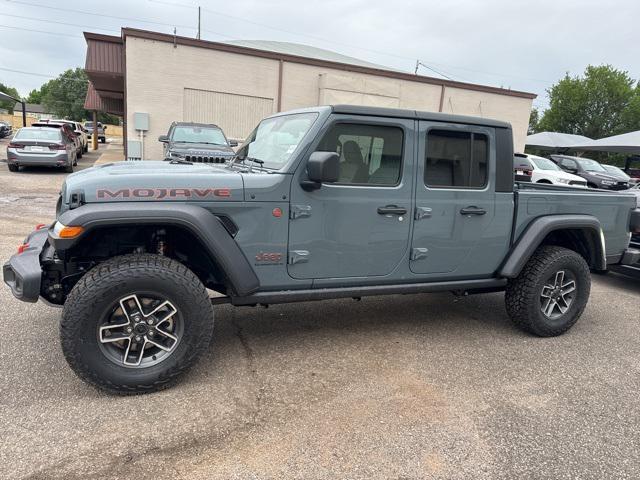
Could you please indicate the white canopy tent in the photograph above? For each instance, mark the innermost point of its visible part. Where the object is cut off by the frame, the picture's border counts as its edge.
(556, 141)
(626, 143)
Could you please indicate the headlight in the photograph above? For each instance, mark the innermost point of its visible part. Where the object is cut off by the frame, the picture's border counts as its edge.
(564, 180)
(176, 155)
(607, 182)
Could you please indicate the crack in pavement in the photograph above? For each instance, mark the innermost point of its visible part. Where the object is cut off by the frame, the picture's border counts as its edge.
(251, 367)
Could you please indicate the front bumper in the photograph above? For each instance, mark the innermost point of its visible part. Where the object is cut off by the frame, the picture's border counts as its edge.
(23, 273)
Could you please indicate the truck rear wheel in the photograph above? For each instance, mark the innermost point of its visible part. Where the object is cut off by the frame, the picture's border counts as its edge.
(550, 293)
(135, 323)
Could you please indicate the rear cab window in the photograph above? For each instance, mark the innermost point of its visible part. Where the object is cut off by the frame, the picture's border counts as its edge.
(456, 159)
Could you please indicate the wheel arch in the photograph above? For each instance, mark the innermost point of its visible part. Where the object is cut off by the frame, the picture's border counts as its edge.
(580, 233)
(212, 234)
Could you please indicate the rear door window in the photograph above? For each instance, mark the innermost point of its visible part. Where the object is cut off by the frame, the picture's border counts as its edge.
(456, 159)
(45, 134)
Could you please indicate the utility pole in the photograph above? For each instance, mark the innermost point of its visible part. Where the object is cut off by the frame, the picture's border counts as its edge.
(198, 37)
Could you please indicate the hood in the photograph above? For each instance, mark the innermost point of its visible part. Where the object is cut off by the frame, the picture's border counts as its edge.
(154, 181)
(568, 176)
(603, 176)
(196, 148)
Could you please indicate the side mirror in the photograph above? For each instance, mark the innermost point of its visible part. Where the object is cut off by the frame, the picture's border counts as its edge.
(321, 167)
(163, 138)
(233, 143)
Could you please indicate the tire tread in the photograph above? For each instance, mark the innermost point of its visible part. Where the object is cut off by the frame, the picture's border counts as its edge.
(80, 302)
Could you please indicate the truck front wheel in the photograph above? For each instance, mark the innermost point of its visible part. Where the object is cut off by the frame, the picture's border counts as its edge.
(550, 293)
(135, 323)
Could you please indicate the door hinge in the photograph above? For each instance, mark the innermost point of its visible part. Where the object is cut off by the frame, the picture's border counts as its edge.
(419, 253)
(423, 212)
(298, 256)
(299, 211)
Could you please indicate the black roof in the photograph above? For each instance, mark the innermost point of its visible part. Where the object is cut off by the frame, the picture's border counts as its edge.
(419, 115)
(29, 108)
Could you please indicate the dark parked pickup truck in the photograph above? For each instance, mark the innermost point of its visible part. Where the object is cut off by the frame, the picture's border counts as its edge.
(326, 202)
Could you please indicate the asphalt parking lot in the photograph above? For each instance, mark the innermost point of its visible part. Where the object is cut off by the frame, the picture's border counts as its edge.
(402, 387)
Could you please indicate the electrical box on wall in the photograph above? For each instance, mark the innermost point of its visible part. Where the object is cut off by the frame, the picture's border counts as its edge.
(134, 150)
(141, 121)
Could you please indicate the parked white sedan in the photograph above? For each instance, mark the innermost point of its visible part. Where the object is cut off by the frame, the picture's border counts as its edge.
(546, 171)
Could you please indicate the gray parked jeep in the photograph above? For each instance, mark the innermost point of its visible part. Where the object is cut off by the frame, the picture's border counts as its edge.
(326, 202)
(197, 142)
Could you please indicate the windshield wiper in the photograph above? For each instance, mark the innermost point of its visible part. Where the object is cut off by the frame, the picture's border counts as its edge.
(179, 161)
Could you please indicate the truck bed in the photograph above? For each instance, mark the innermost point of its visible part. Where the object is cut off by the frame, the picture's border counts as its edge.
(612, 209)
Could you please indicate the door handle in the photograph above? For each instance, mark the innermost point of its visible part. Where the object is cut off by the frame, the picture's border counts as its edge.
(391, 210)
(472, 210)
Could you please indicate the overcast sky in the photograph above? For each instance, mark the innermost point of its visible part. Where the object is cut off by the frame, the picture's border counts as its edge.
(524, 45)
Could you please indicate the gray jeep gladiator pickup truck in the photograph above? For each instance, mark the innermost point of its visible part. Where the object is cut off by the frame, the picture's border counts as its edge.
(326, 202)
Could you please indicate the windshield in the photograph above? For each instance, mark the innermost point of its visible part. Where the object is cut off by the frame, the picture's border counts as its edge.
(591, 165)
(544, 163)
(37, 134)
(195, 134)
(275, 139)
(614, 169)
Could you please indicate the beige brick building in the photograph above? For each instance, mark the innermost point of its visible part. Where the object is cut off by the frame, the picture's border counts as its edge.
(236, 84)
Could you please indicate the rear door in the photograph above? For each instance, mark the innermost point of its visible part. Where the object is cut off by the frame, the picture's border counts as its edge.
(360, 225)
(462, 227)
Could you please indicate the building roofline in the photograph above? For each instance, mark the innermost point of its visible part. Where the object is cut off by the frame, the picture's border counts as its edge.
(192, 42)
(102, 37)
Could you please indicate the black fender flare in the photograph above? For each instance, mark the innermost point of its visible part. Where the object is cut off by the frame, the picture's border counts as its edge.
(199, 221)
(539, 228)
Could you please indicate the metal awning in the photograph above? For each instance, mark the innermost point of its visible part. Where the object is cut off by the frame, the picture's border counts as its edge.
(105, 68)
(556, 141)
(95, 101)
(625, 143)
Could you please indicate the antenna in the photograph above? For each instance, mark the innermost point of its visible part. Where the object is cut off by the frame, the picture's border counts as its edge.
(198, 36)
(420, 64)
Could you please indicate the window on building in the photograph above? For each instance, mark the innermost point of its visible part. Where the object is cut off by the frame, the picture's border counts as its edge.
(456, 158)
(369, 154)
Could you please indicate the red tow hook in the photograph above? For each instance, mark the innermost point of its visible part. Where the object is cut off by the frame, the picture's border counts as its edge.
(40, 226)
(22, 248)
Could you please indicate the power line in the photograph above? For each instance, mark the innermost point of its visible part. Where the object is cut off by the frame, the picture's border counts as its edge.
(84, 12)
(41, 74)
(402, 57)
(41, 31)
(46, 20)
(419, 63)
(75, 11)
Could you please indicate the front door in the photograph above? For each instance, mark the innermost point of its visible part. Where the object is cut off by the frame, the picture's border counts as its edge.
(461, 226)
(360, 225)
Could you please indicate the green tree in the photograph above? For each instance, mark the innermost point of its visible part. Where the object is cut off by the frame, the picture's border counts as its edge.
(631, 115)
(36, 96)
(8, 104)
(596, 104)
(534, 119)
(64, 96)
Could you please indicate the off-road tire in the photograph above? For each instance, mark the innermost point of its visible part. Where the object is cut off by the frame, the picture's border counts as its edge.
(69, 168)
(103, 140)
(116, 278)
(523, 293)
(13, 168)
(79, 155)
